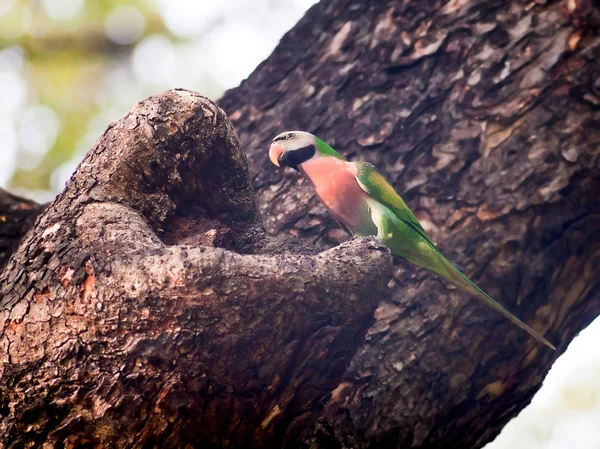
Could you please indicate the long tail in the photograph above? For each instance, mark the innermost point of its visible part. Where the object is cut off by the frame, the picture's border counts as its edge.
(443, 268)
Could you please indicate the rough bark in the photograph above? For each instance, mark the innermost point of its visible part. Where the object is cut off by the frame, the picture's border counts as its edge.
(16, 217)
(148, 308)
(485, 116)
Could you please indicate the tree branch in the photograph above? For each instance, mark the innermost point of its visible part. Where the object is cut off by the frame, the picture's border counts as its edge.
(16, 218)
(148, 306)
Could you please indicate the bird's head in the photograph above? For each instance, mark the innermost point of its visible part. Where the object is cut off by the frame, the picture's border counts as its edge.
(292, 148)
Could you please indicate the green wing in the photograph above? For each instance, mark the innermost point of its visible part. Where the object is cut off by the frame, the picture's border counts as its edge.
(408, 239)
(372, 182)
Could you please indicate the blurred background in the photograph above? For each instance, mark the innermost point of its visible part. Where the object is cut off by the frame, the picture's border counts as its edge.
(70, 67)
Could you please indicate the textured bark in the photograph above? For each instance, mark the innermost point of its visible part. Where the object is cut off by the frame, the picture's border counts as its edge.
(148, 308)
(119, 329)
(485, 116)
(16, 217)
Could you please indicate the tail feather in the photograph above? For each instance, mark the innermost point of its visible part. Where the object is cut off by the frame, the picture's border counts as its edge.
(442, 267)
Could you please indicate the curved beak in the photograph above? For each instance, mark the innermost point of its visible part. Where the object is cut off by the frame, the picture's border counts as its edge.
(275, 153)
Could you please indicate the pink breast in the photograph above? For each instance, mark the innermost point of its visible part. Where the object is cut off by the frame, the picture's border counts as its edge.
(334, 180)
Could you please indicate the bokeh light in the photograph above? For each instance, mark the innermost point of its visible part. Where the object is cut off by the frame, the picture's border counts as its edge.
(38, 129)
(8, 152)
(62, 9)
(125, 25)
(12, 92)
(70, 67)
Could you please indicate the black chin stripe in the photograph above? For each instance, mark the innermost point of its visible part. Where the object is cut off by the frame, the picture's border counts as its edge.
(296, 157)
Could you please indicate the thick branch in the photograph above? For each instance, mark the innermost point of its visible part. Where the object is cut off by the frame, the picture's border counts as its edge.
(148, 307)
(16, 218)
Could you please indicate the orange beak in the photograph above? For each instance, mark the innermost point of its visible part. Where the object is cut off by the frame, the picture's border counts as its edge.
(275, 151)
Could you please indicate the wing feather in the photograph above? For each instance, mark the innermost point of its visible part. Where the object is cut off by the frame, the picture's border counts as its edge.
(378, 188)
(375, 185)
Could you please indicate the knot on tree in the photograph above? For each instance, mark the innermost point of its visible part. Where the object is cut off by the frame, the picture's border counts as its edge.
(147, 306)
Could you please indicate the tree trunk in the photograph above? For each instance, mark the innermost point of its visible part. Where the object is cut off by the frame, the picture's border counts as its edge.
(485, 116)
(148, 308)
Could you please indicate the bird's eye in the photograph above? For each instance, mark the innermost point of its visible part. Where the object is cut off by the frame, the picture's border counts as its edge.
(289, 136)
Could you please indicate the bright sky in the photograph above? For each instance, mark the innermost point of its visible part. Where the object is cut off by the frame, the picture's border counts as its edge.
(565, 413)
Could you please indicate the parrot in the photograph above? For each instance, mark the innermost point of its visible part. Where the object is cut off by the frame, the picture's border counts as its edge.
(364, 203)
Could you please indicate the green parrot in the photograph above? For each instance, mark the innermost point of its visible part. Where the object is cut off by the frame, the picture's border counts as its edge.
(362, 201)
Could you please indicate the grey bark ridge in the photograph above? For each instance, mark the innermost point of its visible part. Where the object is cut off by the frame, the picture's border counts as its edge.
(147, 307)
